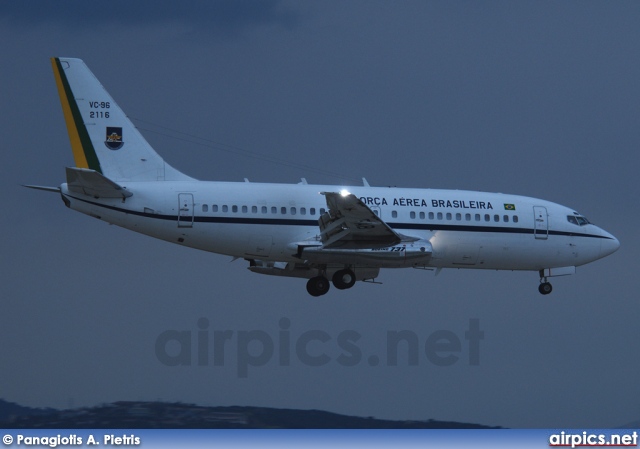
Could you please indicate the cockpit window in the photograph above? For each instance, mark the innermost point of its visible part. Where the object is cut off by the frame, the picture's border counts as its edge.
(578, 220)
(582, 221)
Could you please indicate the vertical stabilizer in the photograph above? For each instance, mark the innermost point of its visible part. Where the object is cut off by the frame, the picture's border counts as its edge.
(102, 136)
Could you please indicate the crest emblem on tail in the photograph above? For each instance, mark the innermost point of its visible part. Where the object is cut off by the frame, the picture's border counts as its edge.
(114, 138)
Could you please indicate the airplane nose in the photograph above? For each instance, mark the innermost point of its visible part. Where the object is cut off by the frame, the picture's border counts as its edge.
(609, 245)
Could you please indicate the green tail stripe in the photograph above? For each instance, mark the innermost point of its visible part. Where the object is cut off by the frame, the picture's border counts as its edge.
(87, 146)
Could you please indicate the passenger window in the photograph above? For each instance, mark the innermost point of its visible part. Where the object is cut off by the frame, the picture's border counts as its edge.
(225, 208)
(263, 209)
(283, 210)
(394, 214)
(234, 209)
(496, 218)
(244, 209)
(487, 217)
(439, 215)
(214, 208)
(477, 217)
(422, 215)
(274, 210)
(303, 211)
(322, 210)
(458, 217)
(506, 219)
(515, 218)
(467, 217)
(431, 216)
(312, 211)
(448, 215)
(293, 211)
(254, 209)
(205, 208)
(412, 214)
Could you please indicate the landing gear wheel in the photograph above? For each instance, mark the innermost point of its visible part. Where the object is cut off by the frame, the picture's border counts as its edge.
(344, 279)
(545, 288)
(318, 286)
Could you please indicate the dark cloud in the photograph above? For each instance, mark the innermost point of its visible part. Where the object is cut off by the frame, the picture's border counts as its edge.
(218, 16)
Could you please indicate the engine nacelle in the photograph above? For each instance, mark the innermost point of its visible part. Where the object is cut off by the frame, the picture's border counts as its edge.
(408, 254)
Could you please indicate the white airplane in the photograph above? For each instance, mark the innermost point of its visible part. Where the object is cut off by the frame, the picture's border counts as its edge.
(317, 232)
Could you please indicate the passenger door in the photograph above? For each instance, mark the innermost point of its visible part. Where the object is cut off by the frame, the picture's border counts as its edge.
(540, 223)
(185, 210)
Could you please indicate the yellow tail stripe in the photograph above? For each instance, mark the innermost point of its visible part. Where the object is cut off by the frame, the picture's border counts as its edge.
(72, 129)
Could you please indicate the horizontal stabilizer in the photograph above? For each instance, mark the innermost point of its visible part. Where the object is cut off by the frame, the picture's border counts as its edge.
(45, 188)
(90, 182)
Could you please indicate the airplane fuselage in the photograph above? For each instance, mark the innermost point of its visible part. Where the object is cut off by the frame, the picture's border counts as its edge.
(466, 229)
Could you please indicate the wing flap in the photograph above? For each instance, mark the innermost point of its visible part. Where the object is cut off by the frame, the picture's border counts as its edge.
(350, 224)
(90, 182)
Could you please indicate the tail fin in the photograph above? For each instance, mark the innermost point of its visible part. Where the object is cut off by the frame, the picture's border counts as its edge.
(102, 136)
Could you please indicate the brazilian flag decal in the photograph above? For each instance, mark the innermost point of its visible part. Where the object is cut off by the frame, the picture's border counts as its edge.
(509, 207)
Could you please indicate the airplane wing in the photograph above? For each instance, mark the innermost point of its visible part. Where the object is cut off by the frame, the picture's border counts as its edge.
(350, 224)
(90, 182)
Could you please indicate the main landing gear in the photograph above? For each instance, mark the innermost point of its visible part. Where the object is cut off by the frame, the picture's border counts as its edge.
(318, 286)
(342, 280)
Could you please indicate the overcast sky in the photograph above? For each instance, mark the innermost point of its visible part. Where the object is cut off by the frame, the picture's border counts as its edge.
(535, 98)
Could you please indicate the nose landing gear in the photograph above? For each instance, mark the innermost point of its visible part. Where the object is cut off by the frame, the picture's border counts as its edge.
(545, 287)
